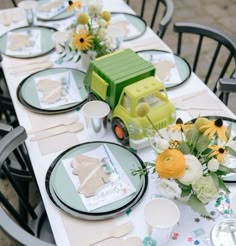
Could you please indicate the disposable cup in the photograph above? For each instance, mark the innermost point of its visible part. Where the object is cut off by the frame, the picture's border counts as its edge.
(161, 215)
(96, 117)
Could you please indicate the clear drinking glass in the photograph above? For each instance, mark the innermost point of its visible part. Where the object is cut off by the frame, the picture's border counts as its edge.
(29, 8)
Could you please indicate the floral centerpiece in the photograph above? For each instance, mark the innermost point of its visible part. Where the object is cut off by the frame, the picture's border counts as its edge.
(90, 32)
(191, 160)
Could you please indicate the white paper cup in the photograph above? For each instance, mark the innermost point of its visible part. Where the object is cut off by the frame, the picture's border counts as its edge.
(59, 38)
(96, 116)
(161, 215)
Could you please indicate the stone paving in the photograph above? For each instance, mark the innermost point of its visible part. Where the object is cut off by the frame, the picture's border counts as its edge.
(216, 13)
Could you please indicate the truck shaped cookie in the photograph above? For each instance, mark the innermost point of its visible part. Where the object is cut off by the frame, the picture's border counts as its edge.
(124, 80)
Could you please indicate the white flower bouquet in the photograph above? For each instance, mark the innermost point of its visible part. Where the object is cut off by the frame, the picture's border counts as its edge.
(191, 161)
(90, 32)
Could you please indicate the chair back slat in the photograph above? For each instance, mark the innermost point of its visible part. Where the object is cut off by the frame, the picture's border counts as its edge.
(7, 205)
(143, 8)
(198, 51)
(155, 14)
(212, 64)
(223, 61)
(19, 192)
(223, 71)
(179, 43)
(159, 16)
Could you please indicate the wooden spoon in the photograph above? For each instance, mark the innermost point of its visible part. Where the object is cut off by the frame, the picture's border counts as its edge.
(63, 121)
(57, 130)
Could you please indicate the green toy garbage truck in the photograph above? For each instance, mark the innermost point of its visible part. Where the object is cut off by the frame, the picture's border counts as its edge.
(123, 79)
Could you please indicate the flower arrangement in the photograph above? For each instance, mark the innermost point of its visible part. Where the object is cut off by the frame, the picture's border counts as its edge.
(191, 160)
(90, 32)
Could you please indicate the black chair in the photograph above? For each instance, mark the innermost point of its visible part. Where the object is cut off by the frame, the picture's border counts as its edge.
(226, 86)
(7, 111)
(35, 231)
(14, 3)
(213, 52)
(157, 16)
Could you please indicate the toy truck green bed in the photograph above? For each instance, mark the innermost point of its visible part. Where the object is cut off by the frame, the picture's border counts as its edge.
(123, 79)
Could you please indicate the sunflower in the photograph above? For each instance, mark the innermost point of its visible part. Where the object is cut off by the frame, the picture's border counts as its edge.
(170, 164)
(73, 4)
(218, 152)
(82, 40)
(180, 126)
(212, 127)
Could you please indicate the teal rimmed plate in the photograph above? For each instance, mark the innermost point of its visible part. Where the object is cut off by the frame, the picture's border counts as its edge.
(136, 23)
(47, 44)
(58, 14)
(63, 193)
(171, 69)
(27, 92)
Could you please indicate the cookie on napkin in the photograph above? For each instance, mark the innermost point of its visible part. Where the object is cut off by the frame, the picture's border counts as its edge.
(92, 174)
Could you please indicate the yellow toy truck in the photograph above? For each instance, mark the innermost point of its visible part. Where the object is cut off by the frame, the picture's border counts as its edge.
(123, 79)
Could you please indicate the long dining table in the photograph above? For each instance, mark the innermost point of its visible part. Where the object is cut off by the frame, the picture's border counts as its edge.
(192, 229)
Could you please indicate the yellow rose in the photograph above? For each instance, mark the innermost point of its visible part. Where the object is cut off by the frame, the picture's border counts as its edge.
(170, 164)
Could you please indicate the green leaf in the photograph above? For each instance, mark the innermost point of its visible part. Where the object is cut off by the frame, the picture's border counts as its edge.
(222, 185)
(202, 143)
(185, 192)
(188, 136)
(215, 179)
(195, 134)
(184, 148)
(228, 131)
(78, 59)
(234, 138)
(226, 170)
(183, 186)
(197, 206)
(62, 46)
(70, 58)
(231, 151)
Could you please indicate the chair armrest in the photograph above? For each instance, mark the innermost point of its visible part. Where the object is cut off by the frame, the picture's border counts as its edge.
(4, 129)
(227, 85)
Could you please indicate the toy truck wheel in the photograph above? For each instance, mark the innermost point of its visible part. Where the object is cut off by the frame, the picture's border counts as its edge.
(120, 131)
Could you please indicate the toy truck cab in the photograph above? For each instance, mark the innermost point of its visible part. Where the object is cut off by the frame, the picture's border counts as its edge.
(123, 79)
(127, 125)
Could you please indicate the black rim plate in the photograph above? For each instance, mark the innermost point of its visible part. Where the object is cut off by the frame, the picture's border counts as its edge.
(104, 212)
(183, 68)
(27, 94)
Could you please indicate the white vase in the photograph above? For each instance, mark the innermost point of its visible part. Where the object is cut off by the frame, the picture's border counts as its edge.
(86, 58)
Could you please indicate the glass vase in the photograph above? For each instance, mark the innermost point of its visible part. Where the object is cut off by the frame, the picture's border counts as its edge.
(86, 58)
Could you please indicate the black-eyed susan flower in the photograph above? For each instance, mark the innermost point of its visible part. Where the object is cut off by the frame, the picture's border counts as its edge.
(180, 126)
(82, 40)
(214, 127)
(73, 4)
(218, 152)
